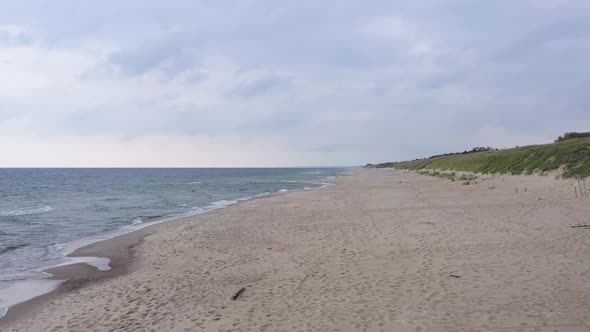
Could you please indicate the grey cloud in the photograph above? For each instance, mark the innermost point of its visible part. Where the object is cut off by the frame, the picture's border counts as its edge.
(281, 121)
(300, 71)
(172, 55)
(8, 37)
(533, 42)
(195, 77)
(263, 85)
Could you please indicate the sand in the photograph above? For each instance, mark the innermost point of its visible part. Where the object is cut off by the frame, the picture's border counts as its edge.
(375, 252)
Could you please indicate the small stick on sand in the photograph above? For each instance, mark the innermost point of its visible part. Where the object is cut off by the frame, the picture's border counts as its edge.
(580, 226)
(238, 293)
(454, 276)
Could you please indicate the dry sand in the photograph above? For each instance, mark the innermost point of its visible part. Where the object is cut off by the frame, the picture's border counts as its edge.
(373, 253)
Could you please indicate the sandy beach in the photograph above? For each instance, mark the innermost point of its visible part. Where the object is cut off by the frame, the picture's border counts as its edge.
(381, 250)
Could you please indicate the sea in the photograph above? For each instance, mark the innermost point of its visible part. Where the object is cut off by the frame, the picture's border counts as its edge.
(46, 214)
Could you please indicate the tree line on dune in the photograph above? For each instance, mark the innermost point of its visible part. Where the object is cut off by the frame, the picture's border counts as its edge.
(571, 135)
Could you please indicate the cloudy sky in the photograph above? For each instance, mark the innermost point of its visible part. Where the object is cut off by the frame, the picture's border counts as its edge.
(285, 83)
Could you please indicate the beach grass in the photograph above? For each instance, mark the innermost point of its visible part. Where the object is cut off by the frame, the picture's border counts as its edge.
(573, 155)
(453, 176)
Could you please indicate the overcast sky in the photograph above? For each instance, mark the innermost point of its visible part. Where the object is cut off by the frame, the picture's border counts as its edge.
(285, 83)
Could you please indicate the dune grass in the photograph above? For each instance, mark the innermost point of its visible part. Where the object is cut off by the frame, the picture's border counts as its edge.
(466, 178)
(574, 154)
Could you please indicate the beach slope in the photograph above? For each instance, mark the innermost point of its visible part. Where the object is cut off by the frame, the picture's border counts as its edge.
(382, 250)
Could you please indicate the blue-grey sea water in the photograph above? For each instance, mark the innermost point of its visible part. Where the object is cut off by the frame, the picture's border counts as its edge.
(46, 213)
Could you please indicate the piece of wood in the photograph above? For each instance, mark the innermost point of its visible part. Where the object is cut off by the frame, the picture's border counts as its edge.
(580, 226)
(238, 293)
(454, 276)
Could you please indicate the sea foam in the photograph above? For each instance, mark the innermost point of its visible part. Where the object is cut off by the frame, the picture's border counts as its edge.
(23, 212)
(24, 291)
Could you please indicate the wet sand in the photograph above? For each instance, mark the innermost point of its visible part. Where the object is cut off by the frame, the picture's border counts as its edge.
(119, 250)
(382, 250)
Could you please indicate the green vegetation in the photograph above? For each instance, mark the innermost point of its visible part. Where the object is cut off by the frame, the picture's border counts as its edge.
(572, 153)
(572, 135)
(466, 178)
(474, 150)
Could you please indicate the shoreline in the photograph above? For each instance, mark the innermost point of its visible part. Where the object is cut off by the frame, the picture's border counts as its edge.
(381, 250)
(118, 250)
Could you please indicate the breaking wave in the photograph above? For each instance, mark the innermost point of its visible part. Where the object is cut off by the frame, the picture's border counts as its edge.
(23, 212)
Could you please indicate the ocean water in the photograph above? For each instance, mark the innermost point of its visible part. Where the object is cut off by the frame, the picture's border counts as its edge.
(47, 213)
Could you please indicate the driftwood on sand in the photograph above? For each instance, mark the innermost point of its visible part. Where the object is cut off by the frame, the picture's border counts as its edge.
(581, 226)
(238, 293)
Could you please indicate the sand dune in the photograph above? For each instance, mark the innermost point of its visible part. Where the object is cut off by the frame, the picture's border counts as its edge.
(373, 253)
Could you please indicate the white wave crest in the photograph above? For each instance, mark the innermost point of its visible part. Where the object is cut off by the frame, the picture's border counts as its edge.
(22, 212)
(57, 246)
(220, 204)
